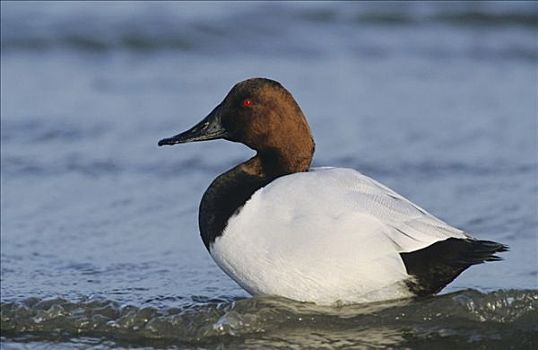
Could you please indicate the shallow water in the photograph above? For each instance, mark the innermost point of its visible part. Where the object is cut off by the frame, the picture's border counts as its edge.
(99, 226)
(507, 319)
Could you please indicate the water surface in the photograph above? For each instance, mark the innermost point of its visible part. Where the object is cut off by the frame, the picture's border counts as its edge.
(99, 238)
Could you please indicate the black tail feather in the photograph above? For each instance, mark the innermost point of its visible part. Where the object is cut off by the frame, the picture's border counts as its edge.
(437, 265)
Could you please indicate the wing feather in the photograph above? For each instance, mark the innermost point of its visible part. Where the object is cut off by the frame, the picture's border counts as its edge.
(407, 225)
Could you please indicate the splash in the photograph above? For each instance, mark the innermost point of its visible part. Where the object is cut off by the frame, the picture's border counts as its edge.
(502, 317)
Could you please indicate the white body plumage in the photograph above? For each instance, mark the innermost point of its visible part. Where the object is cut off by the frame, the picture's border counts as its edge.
(330, 235)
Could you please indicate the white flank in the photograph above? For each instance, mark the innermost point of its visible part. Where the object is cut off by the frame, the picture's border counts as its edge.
(327, 236)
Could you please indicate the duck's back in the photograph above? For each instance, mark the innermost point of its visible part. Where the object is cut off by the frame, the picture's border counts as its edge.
(326, 235)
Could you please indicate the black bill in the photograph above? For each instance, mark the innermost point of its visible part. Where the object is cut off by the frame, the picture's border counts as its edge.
(210, 128)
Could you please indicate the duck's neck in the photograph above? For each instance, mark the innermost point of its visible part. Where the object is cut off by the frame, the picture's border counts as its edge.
(228, 192)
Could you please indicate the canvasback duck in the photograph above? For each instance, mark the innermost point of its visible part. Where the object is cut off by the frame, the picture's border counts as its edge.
(322, 235)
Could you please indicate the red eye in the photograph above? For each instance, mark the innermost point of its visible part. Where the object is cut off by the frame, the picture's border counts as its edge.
(246, 102)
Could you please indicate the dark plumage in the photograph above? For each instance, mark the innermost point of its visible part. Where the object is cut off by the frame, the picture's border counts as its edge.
(437, 265)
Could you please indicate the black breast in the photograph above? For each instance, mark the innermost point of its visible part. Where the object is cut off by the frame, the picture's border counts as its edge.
(225, 197)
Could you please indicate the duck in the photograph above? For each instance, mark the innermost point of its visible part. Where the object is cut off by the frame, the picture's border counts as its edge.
(326, 235)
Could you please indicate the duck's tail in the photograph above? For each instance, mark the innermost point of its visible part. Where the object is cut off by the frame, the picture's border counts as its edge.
(435, 266)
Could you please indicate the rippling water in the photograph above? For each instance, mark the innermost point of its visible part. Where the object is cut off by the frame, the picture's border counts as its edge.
(99, 239)
(506, 319)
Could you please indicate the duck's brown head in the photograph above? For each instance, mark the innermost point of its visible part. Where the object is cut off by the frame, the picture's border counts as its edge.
(263, 115)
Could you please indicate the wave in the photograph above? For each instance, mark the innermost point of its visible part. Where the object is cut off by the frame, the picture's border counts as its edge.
(146, 29)
(403, 16)
(506, 318)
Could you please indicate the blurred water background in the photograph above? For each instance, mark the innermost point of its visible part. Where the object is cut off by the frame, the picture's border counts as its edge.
(99, 238)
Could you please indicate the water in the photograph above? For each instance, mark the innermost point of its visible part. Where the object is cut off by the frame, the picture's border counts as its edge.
(500, 319)
(99, 238)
